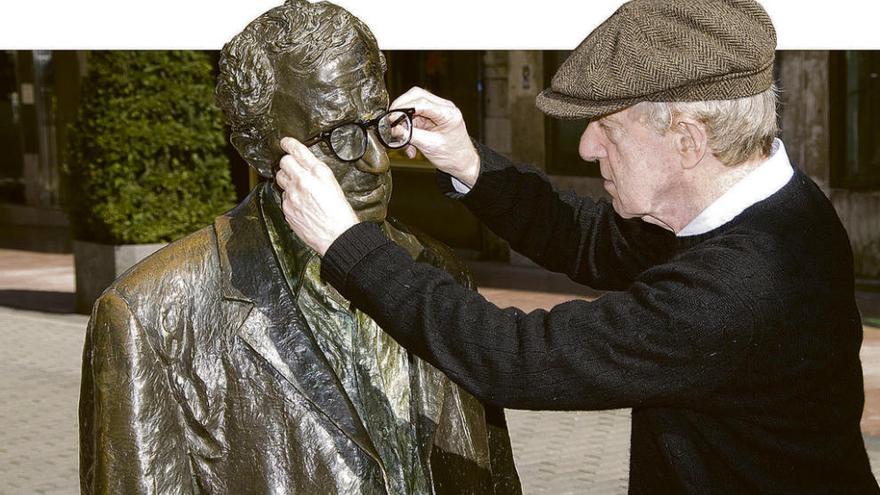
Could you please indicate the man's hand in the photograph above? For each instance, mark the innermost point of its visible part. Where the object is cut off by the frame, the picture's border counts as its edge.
(313, 203)
(440, 134)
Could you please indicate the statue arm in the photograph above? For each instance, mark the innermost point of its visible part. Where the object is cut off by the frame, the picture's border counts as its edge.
(131, 437)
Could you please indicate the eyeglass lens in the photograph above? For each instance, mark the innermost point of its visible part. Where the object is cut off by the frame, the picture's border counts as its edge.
(349, 141)
(395, 129)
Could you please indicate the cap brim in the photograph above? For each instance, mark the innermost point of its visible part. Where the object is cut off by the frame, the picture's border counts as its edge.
(562, 106)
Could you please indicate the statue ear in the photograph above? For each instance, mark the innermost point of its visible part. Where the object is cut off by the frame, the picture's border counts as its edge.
(254, 152)
(383, 63)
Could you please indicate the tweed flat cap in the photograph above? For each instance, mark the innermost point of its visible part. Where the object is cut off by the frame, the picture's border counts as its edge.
(665, 50)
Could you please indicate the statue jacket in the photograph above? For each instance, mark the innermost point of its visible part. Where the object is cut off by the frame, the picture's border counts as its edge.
(201, 374)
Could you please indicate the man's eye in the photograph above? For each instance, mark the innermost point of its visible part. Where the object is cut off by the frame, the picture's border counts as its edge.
(609, 131)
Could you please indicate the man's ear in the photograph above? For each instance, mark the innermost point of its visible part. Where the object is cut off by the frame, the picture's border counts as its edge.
(691, 140)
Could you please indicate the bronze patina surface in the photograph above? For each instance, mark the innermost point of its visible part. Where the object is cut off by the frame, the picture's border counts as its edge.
(223, 364)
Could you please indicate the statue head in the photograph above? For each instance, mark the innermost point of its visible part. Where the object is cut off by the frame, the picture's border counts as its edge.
(298, 70)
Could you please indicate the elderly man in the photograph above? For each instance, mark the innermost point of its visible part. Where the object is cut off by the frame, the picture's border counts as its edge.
(730, 327)
(222, 364)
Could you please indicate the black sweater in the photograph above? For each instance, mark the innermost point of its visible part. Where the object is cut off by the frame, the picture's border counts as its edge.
(738, 349)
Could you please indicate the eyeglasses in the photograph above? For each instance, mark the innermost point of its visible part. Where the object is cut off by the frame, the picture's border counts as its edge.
(348, 141)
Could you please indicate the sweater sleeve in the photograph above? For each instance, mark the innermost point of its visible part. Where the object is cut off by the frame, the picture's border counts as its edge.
(560, 231)
(665, 341)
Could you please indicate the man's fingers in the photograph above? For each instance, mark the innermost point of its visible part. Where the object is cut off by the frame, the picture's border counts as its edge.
(290, 172)
(302, 154)
(424, 139)
(291, 145)
(282, 180)
(289, 165)
(302, 170)
(429, 114)
(300, 157)
(428, 106)
(415, 93)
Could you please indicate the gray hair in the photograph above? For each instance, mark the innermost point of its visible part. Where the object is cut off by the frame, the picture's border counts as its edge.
(738, 130)
(246, 85)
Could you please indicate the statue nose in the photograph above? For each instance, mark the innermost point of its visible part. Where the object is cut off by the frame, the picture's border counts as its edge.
(375, 159)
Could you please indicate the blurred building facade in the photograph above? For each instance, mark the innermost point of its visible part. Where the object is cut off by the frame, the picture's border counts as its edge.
(830, 121)
(39, 93)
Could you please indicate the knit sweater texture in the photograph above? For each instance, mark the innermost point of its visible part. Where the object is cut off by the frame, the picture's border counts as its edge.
(737, 349)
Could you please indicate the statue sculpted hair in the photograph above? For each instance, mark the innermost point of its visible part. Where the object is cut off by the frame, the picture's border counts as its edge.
(315, 32)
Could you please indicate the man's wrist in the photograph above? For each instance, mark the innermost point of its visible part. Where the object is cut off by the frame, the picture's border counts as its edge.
(348, 250)
(469, 174)
(341, 227)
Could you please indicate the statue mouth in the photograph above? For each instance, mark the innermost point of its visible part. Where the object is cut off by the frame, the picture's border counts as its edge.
(368, 197)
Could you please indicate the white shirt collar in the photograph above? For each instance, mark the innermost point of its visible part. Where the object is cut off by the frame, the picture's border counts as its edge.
(768, 178)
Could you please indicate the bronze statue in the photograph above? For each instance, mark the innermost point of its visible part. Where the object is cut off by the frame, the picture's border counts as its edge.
(223, 364)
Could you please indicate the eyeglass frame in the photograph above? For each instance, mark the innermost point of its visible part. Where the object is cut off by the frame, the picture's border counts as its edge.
(324, 136)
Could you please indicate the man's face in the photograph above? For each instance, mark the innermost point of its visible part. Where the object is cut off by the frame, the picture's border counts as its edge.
(349, 88)
(640, 166)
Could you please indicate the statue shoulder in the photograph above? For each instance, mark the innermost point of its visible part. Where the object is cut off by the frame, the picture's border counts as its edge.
(436, 253)
(157, 301)
(173, 274)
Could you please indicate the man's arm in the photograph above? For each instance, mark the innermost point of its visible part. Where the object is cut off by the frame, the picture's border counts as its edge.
(678, 336)
(560, 231)
(131, 437)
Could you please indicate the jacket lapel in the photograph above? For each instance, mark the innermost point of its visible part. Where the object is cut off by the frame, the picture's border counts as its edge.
(273, 325)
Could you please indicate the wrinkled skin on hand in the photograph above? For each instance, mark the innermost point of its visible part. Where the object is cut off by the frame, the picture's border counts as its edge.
(441, 135)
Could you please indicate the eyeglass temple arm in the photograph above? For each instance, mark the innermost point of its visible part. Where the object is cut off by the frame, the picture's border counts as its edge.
(409, 112)
(313, 140)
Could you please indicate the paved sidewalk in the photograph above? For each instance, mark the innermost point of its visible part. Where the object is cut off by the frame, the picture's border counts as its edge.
(40, 358)
(556, 453)
(571, 452)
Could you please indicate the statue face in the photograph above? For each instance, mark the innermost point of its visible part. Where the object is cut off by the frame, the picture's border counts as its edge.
(349, 88)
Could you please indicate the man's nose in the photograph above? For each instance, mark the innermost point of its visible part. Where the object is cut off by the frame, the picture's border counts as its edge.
(375, 159)
(591, 147)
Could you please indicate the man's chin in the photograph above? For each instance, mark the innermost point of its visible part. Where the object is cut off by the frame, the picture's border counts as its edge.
(618, 208)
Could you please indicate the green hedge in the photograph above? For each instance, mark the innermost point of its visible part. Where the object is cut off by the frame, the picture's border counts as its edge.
(145, 161)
